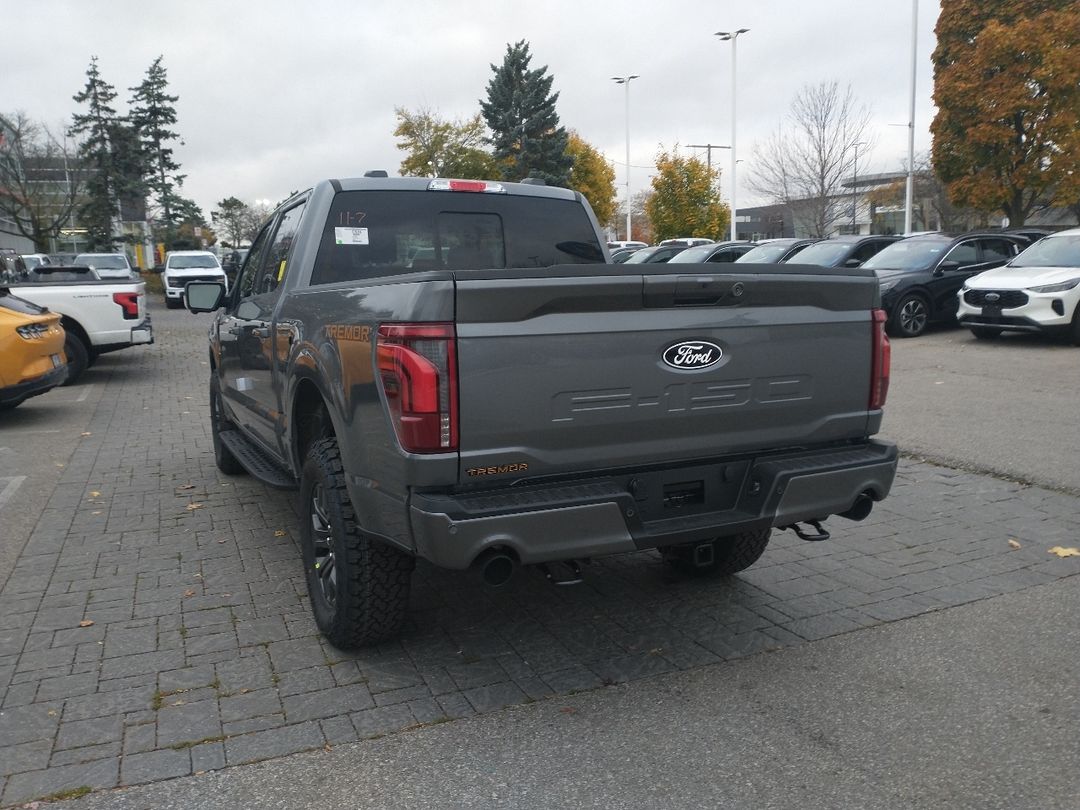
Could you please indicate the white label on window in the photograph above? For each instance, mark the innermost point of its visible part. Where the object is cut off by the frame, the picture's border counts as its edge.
(350, 236)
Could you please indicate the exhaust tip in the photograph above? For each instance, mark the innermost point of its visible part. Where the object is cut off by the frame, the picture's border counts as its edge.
(496, 568)
(861, 509)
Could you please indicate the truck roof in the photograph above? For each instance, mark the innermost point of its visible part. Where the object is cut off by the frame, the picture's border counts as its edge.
(425, 184)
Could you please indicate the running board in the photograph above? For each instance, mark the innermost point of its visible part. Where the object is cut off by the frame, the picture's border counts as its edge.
(256, 461)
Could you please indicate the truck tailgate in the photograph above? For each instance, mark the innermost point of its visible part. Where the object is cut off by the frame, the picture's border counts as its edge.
(569, 369)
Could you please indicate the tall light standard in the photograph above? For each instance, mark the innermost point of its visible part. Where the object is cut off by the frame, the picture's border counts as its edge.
(910, 189)
(733, 36)
(855, 184)
(625, 80)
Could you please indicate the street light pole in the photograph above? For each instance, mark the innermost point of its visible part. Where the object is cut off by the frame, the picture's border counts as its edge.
(909, 191)
(733, 36)
(625, 80)
(855, 185)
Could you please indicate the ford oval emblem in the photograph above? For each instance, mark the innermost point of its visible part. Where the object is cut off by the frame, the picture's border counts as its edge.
(992, 298)
(692, 355)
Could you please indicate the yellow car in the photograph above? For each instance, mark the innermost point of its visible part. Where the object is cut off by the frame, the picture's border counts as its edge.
(31, 350)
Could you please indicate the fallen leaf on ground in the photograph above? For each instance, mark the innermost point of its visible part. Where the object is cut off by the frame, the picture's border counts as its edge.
(223, 540)
(279, 533)
(86, 623)
(1014, 544)
(95, 494)
(186, 486)
(1061, 551)
(98, 512)
(568, 710)
(189, 593)
(193, 506)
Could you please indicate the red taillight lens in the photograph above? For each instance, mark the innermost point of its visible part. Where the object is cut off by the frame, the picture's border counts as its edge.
(129, 302)
(882, 359)
(418, 370)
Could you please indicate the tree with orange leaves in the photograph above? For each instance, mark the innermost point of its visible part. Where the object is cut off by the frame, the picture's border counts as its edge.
(1007, 132)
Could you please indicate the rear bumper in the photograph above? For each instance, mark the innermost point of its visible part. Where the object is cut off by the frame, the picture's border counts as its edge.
(651, 509)
(33, 387)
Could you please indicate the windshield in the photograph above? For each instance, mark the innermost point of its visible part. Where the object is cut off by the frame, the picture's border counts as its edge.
(911, 254)
(185, 262)
(826, 254)
(764, 254)
(1053, 251)
(644, 255)
(101, 261)
(694, 255)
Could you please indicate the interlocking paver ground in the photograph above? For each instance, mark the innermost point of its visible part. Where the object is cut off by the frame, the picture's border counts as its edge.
(202, 652)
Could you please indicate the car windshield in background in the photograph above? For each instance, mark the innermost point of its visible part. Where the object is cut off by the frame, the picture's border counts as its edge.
(188, 262)
(694, 255)
(102, 262)
(824, 253)
(1053, 251)
(764, 254)
(911, 254)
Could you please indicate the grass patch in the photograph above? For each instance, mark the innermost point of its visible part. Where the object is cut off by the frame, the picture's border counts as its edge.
(63, 795)
(157, 700)
(180, 746)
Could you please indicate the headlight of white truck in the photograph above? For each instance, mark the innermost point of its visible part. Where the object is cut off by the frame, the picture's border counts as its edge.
(1059, 287)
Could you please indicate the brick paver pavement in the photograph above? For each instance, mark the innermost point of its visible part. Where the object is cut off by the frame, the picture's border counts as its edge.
(202, 653)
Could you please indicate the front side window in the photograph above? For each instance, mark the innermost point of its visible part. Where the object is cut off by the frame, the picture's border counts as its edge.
(272, 271)
(964, 254)
(253, 263)
(997, 250)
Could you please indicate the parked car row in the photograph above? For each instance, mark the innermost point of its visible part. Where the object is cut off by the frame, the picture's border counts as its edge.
(1024, 280)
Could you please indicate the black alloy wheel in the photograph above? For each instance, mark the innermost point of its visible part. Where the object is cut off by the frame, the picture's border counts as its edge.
(911, 316)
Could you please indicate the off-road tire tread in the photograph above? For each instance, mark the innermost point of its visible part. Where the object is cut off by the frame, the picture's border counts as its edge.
(374, 578)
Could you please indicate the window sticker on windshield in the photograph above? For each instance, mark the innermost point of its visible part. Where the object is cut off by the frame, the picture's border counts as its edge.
(351, 236)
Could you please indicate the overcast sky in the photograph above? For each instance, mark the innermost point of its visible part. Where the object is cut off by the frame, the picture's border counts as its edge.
(277, 95)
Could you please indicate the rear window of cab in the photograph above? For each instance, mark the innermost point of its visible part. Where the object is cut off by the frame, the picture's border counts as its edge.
(377, 233)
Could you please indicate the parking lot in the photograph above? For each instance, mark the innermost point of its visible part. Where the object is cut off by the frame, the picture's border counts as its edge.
(155, 614)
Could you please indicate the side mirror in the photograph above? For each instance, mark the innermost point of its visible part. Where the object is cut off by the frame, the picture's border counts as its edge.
(157, 268)
(204, 296)
(852, 262)
(945, 266)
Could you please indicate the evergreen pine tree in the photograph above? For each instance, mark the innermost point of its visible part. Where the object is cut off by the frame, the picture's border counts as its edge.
(152, 113)
(94, 129)
(520, 112)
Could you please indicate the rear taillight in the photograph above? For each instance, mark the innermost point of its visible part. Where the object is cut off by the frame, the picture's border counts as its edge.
(881, 360)
(418, 370)
(129, 302)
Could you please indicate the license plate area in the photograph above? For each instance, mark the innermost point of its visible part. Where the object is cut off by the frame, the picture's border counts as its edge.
(56, 361)
(665, 494)
(991, 312)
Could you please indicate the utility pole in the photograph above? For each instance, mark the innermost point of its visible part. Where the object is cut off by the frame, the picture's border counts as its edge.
(708, 147)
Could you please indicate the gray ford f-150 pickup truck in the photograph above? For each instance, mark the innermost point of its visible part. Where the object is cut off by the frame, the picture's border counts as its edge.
(450, 370)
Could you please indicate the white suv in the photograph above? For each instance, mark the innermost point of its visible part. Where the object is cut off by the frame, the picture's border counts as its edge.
(182, 266)
(1038, 291)
(107, 265)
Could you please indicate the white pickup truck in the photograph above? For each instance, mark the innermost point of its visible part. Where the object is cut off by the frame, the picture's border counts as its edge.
(99, 315)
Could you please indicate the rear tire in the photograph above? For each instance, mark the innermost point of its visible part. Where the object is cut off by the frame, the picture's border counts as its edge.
(78, 358)
(1074, 330)
(731, 554)
(359, 586)
(223, 457)
(985, 332)
(11, 404)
